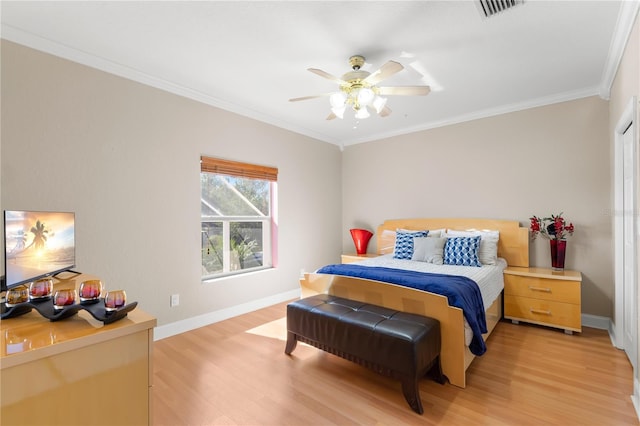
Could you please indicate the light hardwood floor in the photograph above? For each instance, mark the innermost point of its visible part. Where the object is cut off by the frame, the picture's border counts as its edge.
(235, 372)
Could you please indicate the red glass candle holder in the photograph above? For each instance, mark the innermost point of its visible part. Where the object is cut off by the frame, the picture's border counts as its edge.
(63, 298)
(114, 300)
(90, 291)
(41, 289)
(17, 295)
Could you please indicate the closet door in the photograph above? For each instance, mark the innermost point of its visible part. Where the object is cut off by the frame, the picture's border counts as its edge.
(629, 173)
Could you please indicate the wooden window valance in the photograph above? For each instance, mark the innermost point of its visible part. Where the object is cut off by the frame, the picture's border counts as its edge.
(238, 169)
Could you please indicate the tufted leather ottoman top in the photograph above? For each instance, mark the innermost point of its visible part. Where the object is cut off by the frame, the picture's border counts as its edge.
(407, 343)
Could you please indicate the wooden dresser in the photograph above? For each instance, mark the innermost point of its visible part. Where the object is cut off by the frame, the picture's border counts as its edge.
(76, 370)
(542, 296)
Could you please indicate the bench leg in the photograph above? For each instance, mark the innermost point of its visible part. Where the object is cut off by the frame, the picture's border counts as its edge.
(292, 341)
(412, 393)
(435, 372)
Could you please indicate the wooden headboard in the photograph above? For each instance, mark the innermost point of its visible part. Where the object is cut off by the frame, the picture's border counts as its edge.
(513, 245)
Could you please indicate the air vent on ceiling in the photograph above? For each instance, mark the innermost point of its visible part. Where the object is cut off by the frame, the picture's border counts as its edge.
(489, 8)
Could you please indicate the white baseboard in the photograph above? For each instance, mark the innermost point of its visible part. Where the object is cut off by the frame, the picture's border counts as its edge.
(594, 321)
(188, 324)
(601, 323)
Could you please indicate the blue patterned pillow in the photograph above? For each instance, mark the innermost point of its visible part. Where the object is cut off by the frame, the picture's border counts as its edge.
(462, 251)
(404, 243)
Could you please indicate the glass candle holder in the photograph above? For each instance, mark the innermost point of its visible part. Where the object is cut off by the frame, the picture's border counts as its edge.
(63, 298)
(90, 291)
(114, 300)
(17, 295)
(41, 289)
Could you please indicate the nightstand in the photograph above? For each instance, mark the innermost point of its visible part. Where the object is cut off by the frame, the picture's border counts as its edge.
(542, 296)
(352, 257)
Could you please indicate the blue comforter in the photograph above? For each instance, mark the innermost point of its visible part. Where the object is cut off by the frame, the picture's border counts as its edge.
(462, 292)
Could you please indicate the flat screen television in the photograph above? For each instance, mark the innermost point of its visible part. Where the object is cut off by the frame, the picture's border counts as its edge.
(37, 245)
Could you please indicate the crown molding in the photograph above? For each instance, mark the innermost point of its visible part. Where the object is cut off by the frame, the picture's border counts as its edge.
(35, 42)
(624, 26)
(505, 109)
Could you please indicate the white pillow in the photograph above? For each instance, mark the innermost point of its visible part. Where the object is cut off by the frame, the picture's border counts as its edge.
(488, 251)
(429, 249)
(437, 233)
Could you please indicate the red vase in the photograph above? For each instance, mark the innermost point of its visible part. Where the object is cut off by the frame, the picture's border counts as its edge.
(361, 239)
(558, 250)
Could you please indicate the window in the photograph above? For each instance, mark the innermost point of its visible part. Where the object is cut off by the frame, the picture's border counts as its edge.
(238, 220)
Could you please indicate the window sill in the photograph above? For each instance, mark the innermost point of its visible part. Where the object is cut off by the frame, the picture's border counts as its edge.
(236, 274)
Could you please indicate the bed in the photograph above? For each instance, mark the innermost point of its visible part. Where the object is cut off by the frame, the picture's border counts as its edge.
(512, 249)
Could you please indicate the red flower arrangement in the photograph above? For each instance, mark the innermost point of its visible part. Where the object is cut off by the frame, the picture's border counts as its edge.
(553, 228)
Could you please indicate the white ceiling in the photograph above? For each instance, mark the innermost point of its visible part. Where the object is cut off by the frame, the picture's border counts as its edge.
(251, 57)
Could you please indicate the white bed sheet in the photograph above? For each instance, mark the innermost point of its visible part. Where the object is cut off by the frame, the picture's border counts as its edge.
(489, 278)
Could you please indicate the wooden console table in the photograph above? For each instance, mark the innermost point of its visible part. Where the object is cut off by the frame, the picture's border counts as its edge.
(76, 371)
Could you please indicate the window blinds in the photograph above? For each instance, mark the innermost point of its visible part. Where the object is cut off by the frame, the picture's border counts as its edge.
(238, 169)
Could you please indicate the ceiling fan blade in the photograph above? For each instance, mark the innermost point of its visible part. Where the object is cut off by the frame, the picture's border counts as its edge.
(327, 75)
(385, 111)
(304, 98)
(405, 91)
(385, 71)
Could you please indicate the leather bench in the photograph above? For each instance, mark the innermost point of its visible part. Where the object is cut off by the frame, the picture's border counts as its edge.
(398, 344)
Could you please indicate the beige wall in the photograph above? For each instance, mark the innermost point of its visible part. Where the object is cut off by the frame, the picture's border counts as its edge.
(539, 161)
(125, 158)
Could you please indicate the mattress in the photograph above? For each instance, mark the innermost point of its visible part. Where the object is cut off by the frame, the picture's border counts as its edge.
(489, 278)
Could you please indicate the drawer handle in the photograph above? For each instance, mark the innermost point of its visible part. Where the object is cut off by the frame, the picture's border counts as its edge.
(538, 311)
(545, 289)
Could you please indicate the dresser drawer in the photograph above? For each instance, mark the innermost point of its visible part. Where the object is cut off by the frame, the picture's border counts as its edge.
(542, 288)
(544, 312)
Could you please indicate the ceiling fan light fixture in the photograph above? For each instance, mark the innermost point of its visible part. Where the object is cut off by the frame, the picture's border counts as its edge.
(362, 113)
(378, 103)
(359, 90)
(365, 96)
(338, 99)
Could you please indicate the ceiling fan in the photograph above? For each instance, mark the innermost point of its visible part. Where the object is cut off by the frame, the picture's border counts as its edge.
(358, 89)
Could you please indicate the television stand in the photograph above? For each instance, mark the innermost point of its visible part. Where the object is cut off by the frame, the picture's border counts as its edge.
(79, 362)
(71, 271)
